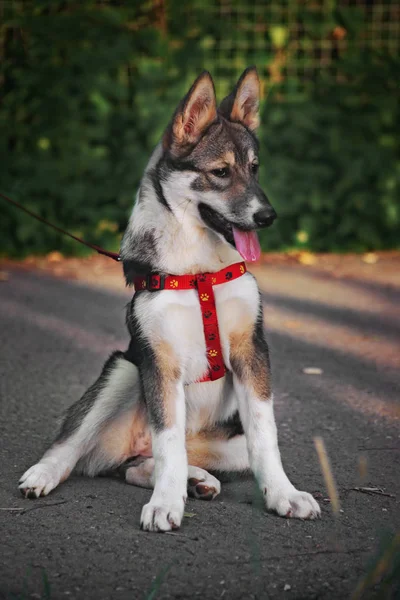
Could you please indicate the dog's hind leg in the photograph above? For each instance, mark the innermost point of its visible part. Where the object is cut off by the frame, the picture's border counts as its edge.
(210, 450)
(213, 449)
(83, 429)
(201, 484)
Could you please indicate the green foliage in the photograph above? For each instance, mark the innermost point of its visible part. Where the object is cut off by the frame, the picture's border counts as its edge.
(76, 131)
(87, 88)
(331, 163)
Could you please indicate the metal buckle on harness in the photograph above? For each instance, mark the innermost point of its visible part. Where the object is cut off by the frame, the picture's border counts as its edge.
(155, 283)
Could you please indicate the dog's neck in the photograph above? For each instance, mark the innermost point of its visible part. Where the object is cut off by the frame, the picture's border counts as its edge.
(170, 238)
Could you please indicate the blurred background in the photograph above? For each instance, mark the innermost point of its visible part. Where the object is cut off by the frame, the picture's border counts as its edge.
(87, 88)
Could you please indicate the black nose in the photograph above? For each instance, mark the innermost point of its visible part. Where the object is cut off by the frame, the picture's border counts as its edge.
(265, 217)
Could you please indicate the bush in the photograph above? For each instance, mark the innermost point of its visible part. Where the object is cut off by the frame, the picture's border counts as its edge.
(332, 161)
(75, 133)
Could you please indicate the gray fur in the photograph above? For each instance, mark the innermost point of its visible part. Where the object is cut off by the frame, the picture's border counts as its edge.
(142, 255)
(78, 411)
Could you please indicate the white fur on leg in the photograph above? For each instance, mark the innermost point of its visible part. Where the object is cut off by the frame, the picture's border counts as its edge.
(59, 461)
(165, 509)
(265, 460)
(55, 466)
(141, 475)
(201, 484)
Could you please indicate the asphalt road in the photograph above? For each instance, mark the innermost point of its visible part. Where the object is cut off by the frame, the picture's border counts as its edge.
(83, 540)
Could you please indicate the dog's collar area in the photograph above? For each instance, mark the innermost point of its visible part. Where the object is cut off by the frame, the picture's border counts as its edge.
(203, 283)
(154, 282)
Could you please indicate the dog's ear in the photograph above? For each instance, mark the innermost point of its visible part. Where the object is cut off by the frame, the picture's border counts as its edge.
(194, 114)
(243, 103)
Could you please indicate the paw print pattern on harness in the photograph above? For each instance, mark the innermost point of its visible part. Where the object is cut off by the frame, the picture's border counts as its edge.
(204, 283)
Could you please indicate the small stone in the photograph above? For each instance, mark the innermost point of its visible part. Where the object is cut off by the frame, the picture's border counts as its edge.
(312, 371)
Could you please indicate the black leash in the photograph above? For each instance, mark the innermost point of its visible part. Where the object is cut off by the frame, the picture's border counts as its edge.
(98, 249)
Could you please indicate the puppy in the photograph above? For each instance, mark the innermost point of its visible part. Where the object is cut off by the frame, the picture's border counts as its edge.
(188, 395)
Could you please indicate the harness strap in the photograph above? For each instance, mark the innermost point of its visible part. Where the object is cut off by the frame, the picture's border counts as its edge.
(204, 283)
(154, 282)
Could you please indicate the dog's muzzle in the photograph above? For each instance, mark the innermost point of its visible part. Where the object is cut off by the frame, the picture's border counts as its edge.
(265, 217)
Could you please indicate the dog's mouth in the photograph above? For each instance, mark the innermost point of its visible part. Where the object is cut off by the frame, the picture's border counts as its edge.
(244, 240)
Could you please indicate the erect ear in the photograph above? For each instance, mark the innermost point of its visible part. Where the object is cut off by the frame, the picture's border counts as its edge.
(243, 103)
(194, 114)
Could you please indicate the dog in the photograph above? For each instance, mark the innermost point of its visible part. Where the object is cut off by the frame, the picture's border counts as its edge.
(152, 413)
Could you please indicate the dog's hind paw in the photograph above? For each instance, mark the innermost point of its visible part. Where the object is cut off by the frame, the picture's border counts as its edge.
(39, 480)
(294, 504)
(202, 485)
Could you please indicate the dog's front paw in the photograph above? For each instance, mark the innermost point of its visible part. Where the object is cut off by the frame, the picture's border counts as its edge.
(294, 504)
(161, 517)
(39, 480)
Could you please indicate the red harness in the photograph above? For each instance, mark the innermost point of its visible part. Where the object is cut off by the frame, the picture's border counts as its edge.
(204, 283)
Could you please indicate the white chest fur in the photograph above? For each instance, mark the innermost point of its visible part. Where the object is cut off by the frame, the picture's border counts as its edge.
(175, 317)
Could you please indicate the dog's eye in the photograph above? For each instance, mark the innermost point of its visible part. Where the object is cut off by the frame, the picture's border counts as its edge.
(221, 172)
(254, 168)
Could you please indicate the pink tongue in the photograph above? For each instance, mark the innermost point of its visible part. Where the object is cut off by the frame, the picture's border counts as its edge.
(247, 244)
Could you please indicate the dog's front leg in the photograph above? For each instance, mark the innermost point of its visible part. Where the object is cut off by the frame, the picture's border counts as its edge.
(165, 399)
(250, 365)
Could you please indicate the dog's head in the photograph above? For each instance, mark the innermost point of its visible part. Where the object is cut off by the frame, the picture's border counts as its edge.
(215, 152)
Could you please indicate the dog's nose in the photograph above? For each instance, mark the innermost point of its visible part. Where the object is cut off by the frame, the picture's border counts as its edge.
(265, 217)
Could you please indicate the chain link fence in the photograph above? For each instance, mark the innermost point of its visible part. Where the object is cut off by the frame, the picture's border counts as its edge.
(291, 41)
